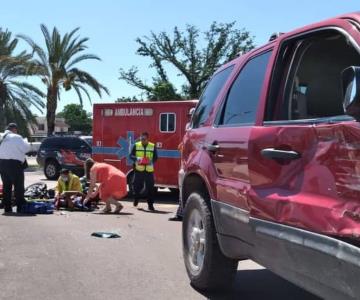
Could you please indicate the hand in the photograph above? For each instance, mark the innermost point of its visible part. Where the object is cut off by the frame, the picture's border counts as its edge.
(86, 200)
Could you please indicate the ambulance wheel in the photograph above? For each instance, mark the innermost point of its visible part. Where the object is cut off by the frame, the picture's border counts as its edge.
(52, 169)
(207, 267)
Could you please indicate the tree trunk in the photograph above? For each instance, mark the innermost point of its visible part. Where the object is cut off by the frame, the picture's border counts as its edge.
(194, 91)
(2, 117)
(2, 107)
(51, 109)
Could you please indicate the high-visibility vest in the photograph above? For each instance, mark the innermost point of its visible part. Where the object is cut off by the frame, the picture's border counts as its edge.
(141, 152)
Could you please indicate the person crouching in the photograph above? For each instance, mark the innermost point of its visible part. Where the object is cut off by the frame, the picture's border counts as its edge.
(113, 184)
(68, 185)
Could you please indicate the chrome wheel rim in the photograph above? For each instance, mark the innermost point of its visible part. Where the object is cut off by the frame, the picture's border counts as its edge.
(196, 242)
(50, 170)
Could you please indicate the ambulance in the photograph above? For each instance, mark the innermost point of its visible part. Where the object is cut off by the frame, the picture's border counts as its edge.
(117, 126)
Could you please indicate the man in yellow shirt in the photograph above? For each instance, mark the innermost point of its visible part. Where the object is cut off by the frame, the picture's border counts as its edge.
(68, 185)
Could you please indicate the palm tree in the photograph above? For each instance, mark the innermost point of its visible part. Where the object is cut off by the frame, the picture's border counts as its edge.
(17, 95)
(58, 62)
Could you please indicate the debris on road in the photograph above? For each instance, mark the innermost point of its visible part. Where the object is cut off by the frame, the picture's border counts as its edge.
(107, 235)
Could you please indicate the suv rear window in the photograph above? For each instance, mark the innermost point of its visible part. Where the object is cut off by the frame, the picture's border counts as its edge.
(50, 143)
(72, 143)
(209, 96)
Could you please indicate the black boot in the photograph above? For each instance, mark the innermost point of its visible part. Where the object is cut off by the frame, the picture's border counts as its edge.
(151, 207)
(136, 202)
(175, 218)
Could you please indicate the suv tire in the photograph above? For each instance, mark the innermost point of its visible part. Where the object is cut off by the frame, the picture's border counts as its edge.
(52, 169)
(206, 265)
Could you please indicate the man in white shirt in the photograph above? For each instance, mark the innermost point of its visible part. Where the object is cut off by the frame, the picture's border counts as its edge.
(13, 149)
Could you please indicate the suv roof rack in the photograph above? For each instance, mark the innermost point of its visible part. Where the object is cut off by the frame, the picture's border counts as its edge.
(275, 35)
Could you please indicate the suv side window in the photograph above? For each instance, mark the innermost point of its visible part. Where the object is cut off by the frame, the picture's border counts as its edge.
(244, 95)
(74, 143)
(209, 96)
(307, 79)
(48, 143)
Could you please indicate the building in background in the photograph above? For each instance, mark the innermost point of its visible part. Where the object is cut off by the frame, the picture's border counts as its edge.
(41, 129)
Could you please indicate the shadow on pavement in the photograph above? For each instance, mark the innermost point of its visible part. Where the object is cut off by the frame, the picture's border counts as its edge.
(162, 197)
(112, 214)
(259, 285)
(18, 215)
(159, 212)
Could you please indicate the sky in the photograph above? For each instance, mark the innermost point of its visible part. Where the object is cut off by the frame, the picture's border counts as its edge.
(113, 26)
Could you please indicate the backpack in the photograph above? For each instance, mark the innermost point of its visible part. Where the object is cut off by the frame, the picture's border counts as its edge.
(38, 207)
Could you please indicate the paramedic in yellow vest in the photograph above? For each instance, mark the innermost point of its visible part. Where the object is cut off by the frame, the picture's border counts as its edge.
(144, 155)
(68, 185)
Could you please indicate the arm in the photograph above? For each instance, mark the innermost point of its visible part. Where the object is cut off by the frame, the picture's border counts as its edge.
(77, 185)
(133, 154)
(91, 187)
(155, 155)
(23, 145)
(58, 189)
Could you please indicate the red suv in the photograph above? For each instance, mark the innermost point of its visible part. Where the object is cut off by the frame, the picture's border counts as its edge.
(271, 164)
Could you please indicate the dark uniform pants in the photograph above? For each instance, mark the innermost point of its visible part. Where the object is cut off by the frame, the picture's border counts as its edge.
(12, 174)
(147, 179)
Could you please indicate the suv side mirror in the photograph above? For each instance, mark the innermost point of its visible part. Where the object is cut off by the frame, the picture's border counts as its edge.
(351, 91)
(191, 112)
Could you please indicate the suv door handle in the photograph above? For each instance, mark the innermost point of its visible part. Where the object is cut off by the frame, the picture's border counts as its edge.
(272, 153)
(214, 147)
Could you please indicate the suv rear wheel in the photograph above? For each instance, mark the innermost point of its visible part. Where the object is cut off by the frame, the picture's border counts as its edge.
(52, 169)
(207, 267)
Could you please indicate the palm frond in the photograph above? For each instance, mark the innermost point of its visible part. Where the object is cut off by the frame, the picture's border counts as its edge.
(81, 58)
(85, 78)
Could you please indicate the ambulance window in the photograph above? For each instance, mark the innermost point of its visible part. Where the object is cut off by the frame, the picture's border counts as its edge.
(167, 122)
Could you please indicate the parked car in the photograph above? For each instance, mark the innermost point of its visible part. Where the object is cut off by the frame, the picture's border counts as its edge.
(271, 164)
(34, 148)
(69, 152)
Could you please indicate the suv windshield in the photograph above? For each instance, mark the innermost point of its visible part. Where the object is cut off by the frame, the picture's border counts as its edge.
(88, 140)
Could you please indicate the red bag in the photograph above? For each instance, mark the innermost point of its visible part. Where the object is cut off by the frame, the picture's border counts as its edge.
(144, 161)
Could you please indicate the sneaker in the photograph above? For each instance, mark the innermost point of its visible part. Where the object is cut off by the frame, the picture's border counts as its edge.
(175, 218)
(118, 209)
(151, 207)
(106, 211)
(136, 202)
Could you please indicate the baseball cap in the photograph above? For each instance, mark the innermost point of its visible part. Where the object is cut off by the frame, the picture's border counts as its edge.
(12, 126)
(64, 171)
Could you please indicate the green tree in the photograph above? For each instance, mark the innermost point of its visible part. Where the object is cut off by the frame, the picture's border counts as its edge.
(17, 95)
(194, 58)
(57, 61)
(77, 118)
(127, 99)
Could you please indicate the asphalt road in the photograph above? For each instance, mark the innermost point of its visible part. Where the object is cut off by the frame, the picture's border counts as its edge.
(55, 257)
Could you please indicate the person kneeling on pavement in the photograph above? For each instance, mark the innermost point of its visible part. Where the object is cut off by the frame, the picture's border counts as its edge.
(113, 184)
(67, 187)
